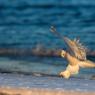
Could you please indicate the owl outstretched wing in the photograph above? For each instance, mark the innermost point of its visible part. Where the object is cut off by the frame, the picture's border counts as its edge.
(76, 48)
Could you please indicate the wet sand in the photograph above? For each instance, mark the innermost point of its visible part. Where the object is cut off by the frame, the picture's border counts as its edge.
(34, 91)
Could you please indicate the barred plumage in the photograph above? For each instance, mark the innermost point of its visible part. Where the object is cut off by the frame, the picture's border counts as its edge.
(77, 49)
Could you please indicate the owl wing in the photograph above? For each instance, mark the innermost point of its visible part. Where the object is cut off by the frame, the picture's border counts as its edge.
(76, 48)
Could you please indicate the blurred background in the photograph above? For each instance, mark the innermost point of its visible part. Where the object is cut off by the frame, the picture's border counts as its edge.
(26, 23)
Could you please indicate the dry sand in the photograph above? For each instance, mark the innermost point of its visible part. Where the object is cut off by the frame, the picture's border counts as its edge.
(35, 91)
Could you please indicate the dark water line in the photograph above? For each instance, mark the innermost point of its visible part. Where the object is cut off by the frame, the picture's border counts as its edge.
(25, 24)
(42, 74)
(43, 6)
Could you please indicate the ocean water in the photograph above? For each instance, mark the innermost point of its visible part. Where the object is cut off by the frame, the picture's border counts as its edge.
(52, 83)
(26, 23)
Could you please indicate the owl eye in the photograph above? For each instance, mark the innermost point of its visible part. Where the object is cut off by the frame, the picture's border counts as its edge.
(63, 53)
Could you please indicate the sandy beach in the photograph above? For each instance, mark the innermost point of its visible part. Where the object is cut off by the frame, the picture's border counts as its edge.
(34, 91)
(14, 84)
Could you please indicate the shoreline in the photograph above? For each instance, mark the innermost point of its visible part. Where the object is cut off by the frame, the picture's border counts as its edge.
(40, 91)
